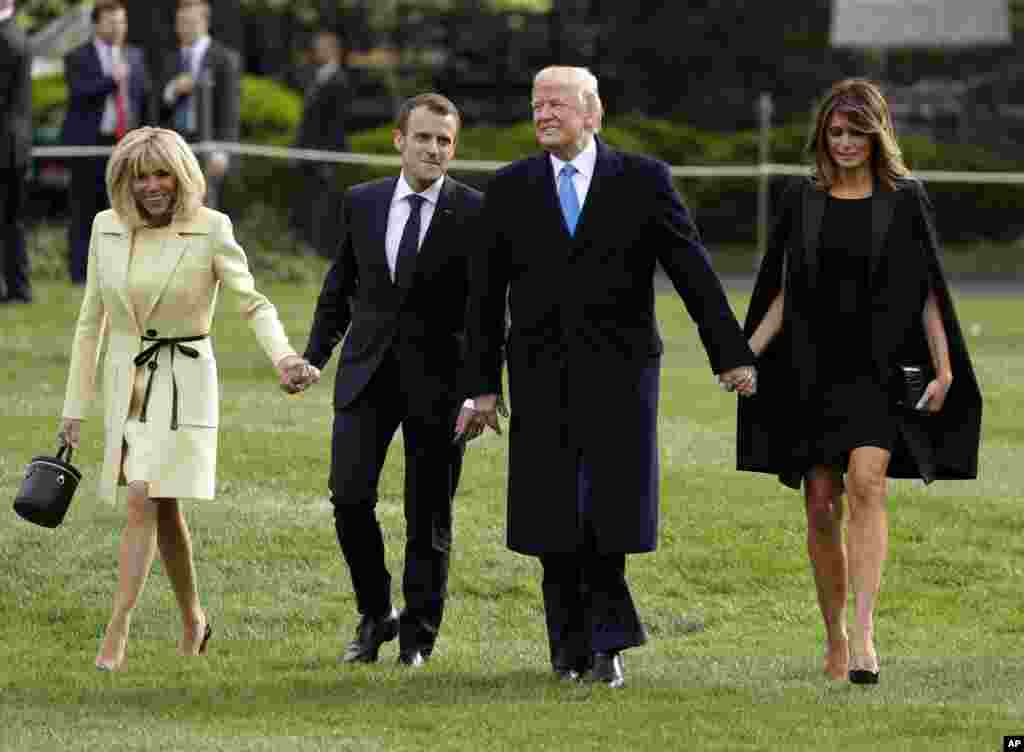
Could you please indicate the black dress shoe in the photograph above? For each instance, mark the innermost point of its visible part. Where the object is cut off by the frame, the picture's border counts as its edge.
(370, 635)
(607, 669)
(414, 658)
(863, 676)
(567, 674)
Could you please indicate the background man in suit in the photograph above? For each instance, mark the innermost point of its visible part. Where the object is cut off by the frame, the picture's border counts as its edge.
(202, 98)
(322, 127)
(398, 288)
(108, 95)
(572, 236)
(15, 152)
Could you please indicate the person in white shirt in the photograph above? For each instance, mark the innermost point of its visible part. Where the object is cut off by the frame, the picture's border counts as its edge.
(108, 95)
(397, 293)
(201, 98)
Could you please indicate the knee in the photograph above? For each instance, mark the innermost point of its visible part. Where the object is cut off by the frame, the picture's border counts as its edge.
(349, 516)
(141, 509)
(866, 485)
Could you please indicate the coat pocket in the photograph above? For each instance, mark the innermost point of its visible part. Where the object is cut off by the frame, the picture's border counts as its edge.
(198, 391)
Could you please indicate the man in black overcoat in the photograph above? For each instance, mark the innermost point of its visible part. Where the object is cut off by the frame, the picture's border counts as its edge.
(905, 266)
(397, 294)
(15, 154)
(573, 252)
(202, 96)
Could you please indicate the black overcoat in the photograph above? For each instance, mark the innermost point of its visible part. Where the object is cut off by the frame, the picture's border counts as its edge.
(904, 265)
(583, 345)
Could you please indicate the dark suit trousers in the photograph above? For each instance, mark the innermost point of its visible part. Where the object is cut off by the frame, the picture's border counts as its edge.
(88, 198)
(362, 433)
(587, 602)
(15, 256)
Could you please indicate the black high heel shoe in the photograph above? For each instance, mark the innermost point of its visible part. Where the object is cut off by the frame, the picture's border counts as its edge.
(206, 638)
(863, 676)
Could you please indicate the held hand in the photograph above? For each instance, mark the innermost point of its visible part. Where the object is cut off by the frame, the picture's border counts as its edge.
(70, 432)
(295, 374)
(742, 380)
(465, 427)
(934, 396)
(484, 416)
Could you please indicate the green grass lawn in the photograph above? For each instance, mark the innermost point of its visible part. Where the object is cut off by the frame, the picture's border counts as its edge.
(734, 659)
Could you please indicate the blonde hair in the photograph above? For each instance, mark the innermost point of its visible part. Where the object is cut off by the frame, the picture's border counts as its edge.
(145, 150)
(865, 107)
(582, 81)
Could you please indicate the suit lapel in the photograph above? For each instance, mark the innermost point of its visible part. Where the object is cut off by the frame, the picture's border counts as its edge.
(162, 266)
(379, 228)
(881, 216)
(443, 213)
(814, 211)
(599, 196)
(117, 240)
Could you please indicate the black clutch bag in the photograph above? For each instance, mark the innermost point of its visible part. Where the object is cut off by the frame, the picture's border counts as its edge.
(910, 381)
(47, 488)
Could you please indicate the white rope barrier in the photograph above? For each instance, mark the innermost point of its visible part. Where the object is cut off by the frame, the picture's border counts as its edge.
(384, 160)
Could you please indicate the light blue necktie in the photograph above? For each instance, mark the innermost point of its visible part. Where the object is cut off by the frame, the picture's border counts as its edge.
(567, 197)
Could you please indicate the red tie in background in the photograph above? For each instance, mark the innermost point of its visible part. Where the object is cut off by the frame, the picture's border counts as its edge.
(121, 126)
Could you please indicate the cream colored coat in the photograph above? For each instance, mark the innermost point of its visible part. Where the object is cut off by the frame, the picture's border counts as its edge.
(189, 264)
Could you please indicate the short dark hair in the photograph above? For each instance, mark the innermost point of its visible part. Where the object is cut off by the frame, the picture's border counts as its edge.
(436, 103)
(105, 6)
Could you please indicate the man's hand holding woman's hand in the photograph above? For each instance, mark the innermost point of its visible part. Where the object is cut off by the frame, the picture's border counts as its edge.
(484, 414)
(296, 374)
(742, 380)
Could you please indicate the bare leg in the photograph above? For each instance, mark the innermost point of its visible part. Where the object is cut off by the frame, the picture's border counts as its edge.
(823, 490)
(138, 547)
(175, 543)
(868, 538)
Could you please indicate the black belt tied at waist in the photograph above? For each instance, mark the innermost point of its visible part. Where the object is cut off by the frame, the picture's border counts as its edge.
(151, 355)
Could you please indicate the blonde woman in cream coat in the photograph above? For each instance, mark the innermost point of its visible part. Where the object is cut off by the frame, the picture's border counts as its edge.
(156, 262)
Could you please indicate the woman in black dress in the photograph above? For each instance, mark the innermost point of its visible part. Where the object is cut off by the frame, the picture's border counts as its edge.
(850, 289)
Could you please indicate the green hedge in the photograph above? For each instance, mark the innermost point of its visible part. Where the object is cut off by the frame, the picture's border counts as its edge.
(725, 208)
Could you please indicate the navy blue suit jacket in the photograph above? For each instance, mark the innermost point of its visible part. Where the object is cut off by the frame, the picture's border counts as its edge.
(425, 324)
(89, 87)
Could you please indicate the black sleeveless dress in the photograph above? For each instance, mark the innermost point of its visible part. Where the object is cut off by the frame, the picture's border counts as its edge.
(850, 404)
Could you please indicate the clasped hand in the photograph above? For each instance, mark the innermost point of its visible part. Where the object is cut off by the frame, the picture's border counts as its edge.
(471, 422)
(742, 380)
(296, 374)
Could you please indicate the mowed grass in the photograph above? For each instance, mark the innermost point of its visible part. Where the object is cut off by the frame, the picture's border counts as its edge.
(735, 651)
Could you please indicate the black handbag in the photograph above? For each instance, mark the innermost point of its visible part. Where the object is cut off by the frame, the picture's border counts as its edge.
(910, 383)
(47, 488)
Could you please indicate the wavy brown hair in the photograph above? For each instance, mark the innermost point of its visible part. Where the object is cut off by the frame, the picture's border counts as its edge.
(145, 150)
(864, 105)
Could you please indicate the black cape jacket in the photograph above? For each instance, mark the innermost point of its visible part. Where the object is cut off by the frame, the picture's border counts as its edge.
(904, 265)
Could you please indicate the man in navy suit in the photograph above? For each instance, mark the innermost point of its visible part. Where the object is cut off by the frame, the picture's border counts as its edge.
(108, 95)
(202, 98)
(397, 293)
(15, 153)
(571, 240)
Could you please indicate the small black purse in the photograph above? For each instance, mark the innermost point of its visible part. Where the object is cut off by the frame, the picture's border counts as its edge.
(910, 381)
(47, 488)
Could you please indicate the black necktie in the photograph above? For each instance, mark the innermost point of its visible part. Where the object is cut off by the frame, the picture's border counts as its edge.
(405, 264)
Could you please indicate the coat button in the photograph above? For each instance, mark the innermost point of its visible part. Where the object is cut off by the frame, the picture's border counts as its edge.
(151, 365)
(151, 332)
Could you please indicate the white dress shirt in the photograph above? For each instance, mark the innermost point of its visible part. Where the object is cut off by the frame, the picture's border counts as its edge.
(109, 56)
(196, 53)
(584, 162)
(399, 212)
